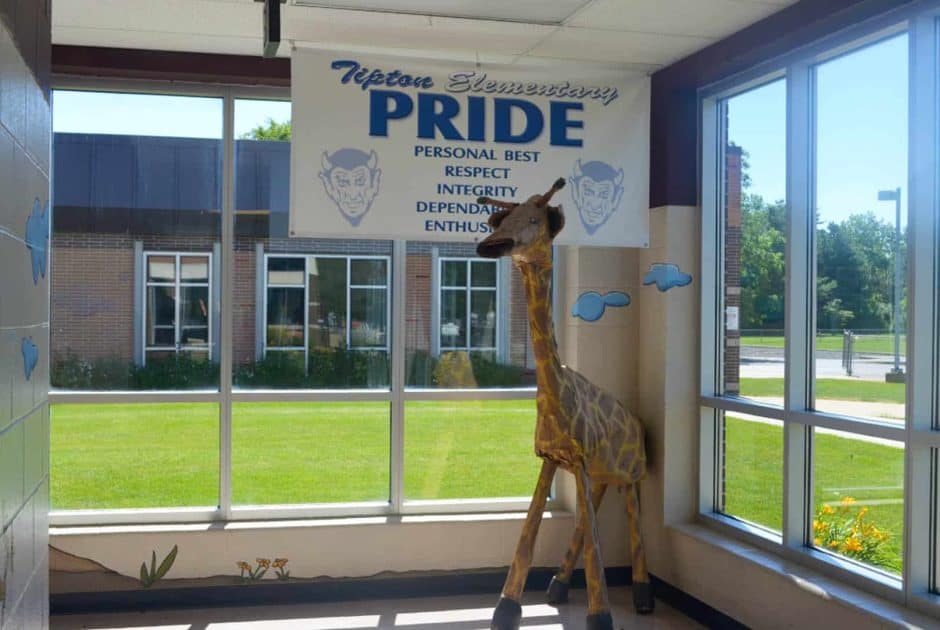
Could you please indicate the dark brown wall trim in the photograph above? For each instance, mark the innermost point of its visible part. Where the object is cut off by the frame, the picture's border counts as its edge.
(674, 114)
(127, 63)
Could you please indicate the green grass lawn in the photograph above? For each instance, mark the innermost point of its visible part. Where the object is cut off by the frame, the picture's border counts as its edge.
(878, 344)
(870, 473)
(830, 389)
(165, 455)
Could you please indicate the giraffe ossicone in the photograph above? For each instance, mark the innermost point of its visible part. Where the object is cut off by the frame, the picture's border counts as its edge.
(580, 427)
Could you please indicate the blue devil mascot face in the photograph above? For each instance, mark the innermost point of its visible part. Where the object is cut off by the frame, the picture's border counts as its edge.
(351, 179)
(596, 189)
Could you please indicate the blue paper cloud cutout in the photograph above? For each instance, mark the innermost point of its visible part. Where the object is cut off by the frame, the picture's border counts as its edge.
(591, 305)
(37, 238)
(30, 356)
(666, 276)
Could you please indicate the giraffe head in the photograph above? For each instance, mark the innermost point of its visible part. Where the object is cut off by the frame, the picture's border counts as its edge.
(524, 231)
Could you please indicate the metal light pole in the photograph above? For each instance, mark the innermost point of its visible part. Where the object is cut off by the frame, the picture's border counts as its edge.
(895, 196)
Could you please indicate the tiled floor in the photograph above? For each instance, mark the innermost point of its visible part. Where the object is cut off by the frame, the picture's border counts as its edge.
(469, 612)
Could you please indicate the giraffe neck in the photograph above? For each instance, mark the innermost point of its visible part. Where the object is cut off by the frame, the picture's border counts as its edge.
(537, 278)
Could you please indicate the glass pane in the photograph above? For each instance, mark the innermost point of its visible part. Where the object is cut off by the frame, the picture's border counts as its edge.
(161, 268)
(194, 269)
(327, 281)
(859, 498)
(134, 456)
(285, 318)
(310, 452)
(453, 318)
(437, 330)
(755, 228)
(368, 319)
(368, 272)
(446, 441)
(483, 273)
(861, 219)
(137, 185)
(454, 273)
(752, 470)
(286, 270)
(483, 319)
(161, 316)
(194, 313)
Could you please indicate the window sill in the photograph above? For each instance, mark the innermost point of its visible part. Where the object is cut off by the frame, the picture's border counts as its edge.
(357, 546)
(771, 584)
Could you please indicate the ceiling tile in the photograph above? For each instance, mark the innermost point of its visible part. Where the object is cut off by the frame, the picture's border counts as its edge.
(533, 11)
(612, 46)
(399, 31)
(702, 18)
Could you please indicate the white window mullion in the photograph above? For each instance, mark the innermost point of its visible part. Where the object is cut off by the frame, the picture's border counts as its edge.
(226, 322)
(469, 297)
(920, 551)
(176, 305)
(397, 446)
(800, 320)
(712, 253)
(306, 317)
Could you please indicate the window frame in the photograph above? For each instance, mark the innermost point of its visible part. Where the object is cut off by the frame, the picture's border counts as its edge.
(468, 292)
(226, 395)
(177, 285)
(349, 258)
(917, 586)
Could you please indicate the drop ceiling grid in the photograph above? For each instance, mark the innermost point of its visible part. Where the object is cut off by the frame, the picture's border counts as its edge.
(633, 34)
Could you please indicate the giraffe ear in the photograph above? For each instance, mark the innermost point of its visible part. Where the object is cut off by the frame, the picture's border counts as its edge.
(556, 220)
(497, 217)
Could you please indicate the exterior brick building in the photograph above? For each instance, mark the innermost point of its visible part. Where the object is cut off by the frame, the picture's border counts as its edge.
(119, 199)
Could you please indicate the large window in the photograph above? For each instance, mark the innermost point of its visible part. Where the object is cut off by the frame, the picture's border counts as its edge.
(327, 302)
(819, 354)
(209, 364)
(468, 313)
(176, 314)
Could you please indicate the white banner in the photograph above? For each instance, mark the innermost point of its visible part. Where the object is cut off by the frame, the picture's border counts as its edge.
(384, 148)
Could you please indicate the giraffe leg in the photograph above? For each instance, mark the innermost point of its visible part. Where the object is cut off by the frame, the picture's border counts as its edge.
(558, 589)
(642, 589)
(598, 617)
(508, 613)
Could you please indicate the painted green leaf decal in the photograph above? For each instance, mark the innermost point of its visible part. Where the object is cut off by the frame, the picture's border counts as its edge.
(167, 563)
(144, 575)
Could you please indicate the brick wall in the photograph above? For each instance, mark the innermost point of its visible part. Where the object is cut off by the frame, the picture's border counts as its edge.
(418, 303)
(93, 291)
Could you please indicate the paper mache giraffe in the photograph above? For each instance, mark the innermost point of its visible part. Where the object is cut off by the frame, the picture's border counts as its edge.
(580, 427)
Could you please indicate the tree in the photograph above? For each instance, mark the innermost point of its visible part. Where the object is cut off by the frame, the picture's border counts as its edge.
(855, 272)
(272, 130)
(763, 278)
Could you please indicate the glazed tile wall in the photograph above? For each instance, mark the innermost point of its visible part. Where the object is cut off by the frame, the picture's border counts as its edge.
(25, 132)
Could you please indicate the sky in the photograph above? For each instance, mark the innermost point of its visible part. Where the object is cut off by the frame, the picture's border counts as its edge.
(861, 139)
(157, 115)
(861, 101)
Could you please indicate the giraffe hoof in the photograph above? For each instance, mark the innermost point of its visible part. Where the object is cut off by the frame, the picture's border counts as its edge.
(507, 616)
(600, 621)
(643, 598)
(557, 592)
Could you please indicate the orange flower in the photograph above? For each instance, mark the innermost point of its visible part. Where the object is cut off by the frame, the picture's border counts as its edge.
(827, 509)
(263, 562)
(244, 566)
(847, 500)
(852, 544)
(279, 563)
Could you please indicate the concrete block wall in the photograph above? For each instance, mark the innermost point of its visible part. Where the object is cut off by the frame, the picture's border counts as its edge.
(25, 132)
